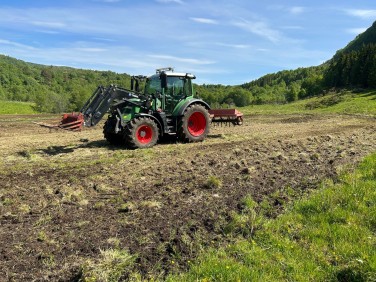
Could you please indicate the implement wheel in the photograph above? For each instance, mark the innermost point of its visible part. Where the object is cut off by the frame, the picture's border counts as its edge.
(141, 132)
(195, 124)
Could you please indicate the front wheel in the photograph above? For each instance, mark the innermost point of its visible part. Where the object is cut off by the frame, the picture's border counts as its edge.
(195, 124)
(109, 132)
(141, 132)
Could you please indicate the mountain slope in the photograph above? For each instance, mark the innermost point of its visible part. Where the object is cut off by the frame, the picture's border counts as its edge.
(354, 65)
(365, 38)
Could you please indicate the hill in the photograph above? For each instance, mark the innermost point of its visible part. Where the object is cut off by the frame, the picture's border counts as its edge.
(52, 88)
(365, 38)
(354, 65)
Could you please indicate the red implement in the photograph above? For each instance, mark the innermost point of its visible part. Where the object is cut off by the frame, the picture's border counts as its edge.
(73, 121)
(226, 116)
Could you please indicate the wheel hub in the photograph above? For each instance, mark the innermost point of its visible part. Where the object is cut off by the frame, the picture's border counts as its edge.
(196, 124)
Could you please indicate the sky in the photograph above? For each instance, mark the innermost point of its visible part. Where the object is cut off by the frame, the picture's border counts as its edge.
(220, 41)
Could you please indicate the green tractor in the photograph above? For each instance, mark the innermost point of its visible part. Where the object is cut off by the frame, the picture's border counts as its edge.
(166, 107)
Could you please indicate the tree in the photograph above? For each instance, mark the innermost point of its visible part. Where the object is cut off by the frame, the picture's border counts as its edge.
(293, 92)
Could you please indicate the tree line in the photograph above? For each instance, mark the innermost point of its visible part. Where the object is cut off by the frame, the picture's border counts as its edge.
(53, 89)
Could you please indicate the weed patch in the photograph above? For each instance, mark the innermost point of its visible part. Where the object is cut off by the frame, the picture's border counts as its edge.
(112, 265)
(213, 182)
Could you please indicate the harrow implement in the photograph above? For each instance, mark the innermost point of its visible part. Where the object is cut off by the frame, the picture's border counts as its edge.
(71, 122)
(227, 116)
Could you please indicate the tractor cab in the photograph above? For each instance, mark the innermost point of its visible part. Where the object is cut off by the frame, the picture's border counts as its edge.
(168, 88)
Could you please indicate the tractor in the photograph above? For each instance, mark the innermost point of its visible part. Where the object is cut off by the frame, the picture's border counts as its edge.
(138, 119)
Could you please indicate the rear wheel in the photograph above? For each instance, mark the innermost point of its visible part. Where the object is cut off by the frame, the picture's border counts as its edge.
(195, 124)
(109, 132)
(141, 132)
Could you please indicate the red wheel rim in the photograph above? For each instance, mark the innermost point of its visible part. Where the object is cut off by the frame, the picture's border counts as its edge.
(197, 124)
(144, 134)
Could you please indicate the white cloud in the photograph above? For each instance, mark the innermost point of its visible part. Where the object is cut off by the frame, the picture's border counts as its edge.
(182, 60)
(236, 46)
(107, 1)
(47, 31)
(356, 31)
(91, 49)
(259, 28)
(204, 20)
(48, 24)
(292, 27)
(296, 10)
(15, 44)
(364, 14)
(171, 1)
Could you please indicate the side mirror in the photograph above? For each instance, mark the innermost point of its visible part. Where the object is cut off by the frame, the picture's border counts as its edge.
(163, 77)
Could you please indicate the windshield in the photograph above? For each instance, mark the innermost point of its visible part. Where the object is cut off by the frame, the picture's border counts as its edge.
(176, 86)
(153, 85)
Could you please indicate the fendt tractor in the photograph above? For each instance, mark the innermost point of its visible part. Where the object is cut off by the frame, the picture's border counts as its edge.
(166, 107)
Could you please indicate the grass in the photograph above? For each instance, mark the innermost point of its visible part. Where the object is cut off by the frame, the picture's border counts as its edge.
(113, 265)
(329, 235)
(341, 103)
(18, 108)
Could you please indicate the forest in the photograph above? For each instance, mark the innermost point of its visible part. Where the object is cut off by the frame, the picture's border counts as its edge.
(64, 89)
(53, 89)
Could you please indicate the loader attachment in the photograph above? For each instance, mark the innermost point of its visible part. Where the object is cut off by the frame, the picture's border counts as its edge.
(73, 121)
(101, 100)
(94, 109)
(227, 116)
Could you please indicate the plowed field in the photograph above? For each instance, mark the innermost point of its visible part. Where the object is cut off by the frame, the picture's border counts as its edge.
(65, 197)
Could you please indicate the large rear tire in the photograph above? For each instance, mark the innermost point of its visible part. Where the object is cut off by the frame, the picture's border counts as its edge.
(141, 132)
(194, 126)
(109, 132)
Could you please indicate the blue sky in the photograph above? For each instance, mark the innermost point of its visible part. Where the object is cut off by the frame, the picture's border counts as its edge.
(221, 42)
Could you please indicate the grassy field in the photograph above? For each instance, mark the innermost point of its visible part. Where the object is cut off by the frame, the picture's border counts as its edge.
(156, 222)
(19, 108)
(340, 103)
(346, 102)
(327, 236)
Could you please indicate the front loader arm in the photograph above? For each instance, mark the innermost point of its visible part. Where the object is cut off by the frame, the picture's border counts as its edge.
(100, 102)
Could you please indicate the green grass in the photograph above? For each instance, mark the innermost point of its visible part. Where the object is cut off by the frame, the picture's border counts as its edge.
(349, 103)
(329, 235)
(343, 103)
(11, 107)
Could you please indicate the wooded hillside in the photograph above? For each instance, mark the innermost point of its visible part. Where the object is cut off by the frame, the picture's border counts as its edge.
(53, 89)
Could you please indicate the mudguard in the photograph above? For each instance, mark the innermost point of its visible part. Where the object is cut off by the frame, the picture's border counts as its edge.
(154, 119)
(180, 108)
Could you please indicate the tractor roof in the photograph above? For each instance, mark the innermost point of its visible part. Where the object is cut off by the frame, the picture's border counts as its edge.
(181, 74)
(169, 71)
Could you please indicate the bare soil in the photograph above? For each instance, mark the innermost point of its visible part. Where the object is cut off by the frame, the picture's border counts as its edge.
(66, 196)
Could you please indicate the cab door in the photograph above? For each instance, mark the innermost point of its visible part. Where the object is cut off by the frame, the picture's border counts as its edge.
(175, 92)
